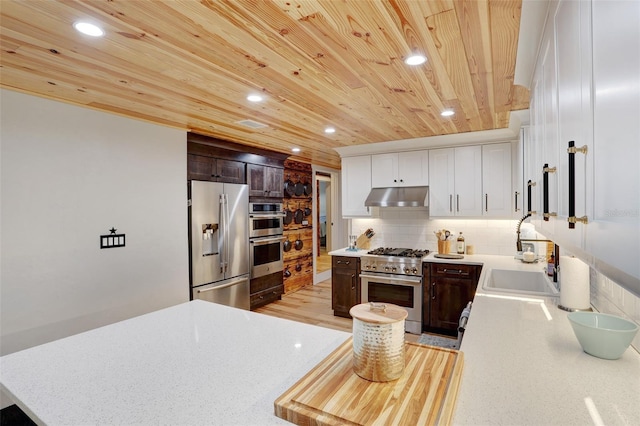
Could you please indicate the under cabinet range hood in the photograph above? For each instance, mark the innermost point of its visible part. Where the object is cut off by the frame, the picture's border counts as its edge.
(408, 196)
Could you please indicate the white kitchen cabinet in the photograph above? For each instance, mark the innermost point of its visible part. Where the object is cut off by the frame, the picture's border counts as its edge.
(356, 185)
(586, 89)
(455, 176)
(518, 185)
(496, 180)
(613, 231)
(400, 169)
(549, 143)
(571, 25)
(441, 176)
(532, 152)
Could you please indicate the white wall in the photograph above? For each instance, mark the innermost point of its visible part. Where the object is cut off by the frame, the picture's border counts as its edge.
(69, 174)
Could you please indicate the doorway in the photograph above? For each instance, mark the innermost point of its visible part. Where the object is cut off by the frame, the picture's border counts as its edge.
(324, 221)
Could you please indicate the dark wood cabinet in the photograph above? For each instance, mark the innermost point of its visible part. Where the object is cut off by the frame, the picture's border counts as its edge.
(345, 284)
(265, 289)
(448, 289)
(201, 167)
(265, 181)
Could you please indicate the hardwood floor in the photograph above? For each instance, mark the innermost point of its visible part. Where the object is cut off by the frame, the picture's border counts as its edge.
(312, 305)
(323, 261)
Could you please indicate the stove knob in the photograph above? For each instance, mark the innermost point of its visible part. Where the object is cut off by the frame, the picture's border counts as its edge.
(415, 270)
(407, 270)
(386, 268)
(394, 269)
(367, 266)
(373, 267)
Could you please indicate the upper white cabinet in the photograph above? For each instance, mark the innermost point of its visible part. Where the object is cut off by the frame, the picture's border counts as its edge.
(400, 169)
(613, 162)
(573, 45)
(356, 185)
(496, 180)
(586, 93)
(455, 176)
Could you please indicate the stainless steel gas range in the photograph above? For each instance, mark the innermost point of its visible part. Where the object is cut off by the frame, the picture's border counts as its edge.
(394, 275)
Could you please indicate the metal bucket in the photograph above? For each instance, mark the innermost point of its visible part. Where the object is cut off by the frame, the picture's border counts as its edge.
(378, 341)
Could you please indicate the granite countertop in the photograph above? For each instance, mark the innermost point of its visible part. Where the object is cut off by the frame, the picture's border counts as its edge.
(524, 365)
(193, 363)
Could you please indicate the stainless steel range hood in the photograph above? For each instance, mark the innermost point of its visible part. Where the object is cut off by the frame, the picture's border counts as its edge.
(410, 196)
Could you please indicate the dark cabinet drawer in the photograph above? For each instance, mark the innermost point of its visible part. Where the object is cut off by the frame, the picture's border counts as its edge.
(345, 262)
(266, 296)
(454, 270)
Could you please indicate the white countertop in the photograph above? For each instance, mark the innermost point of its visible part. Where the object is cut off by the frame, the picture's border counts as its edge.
(192, 364)
(524, 366)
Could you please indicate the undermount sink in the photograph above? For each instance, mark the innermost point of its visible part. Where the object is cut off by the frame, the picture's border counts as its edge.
(522, 282)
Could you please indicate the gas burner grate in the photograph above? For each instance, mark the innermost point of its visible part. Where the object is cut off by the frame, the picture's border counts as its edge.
(398, 252)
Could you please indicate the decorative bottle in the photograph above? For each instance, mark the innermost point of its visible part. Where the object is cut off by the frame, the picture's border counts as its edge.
(460, 245)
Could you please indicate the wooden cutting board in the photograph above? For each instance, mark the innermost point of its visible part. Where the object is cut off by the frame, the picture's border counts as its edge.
(332, 394)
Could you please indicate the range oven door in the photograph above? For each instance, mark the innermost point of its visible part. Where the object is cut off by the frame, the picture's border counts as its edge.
(400, 290)
(265, 255)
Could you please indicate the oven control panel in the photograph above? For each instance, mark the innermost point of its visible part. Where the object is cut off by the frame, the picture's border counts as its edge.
(393, 266)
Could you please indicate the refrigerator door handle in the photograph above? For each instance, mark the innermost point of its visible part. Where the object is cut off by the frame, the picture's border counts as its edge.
(220, 287)
(222, 240)
(227, 237)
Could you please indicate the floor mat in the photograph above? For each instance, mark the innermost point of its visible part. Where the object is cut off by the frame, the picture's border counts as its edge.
(443, 342)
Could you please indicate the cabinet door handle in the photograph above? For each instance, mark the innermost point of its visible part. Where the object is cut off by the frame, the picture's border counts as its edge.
(451, 202)
(572, 219)
(516, 195)
(353, 281)
(458, 203)
(529, 185)
(545, 192)
(486, 202)
(433, 291)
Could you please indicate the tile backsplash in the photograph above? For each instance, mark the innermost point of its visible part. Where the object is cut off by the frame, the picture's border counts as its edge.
(412, 229)
(610, 298)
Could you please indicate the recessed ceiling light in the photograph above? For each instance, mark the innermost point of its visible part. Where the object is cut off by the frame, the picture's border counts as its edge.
(447, 113)
(330, 130)
(295, 149)
(88, 29)
(255, 98)
(415, 60)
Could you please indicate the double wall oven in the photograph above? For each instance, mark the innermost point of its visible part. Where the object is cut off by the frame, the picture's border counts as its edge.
(395, 276)
(266, 224)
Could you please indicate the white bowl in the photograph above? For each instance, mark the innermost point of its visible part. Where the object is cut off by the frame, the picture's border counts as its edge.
(602, 335)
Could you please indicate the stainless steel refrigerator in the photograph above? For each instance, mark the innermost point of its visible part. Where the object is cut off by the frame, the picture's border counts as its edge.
(219, 243)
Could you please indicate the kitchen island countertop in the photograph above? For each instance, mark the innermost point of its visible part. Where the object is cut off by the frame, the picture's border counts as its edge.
(191, 364)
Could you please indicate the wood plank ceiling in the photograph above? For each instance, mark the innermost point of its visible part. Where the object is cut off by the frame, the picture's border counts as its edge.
(191, 64)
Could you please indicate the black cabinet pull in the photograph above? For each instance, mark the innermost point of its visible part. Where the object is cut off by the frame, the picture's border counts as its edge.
(516, 203)
(529, 185)
(545, 192)
(572, 219)
(433, 291)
